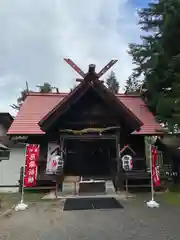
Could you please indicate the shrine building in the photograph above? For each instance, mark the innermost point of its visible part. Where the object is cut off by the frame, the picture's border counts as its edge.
(94, 127)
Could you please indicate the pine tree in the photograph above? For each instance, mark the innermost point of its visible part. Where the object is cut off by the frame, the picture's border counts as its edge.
(133, 86)
(20, 100)
(158, 59)
(45, 88)
(112, 83)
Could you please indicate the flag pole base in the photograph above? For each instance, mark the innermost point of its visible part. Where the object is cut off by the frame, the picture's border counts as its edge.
(152, 204)
(21, 206)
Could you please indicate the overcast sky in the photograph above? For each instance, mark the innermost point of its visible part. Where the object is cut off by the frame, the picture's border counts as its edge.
(37, 34)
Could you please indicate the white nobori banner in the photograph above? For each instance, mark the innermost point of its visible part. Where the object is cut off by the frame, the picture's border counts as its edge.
(52, 158)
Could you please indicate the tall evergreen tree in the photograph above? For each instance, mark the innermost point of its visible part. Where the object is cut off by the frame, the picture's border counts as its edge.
(20, 100)
(158, 59)
(45, 88)
(112, 83)
(133, 85)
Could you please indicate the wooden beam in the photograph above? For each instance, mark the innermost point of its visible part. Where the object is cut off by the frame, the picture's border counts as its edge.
(75, 67)
(80, 80)
(106, 68)
(95, 122)
(84, 136)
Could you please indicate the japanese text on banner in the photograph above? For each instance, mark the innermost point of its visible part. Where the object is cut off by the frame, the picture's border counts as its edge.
(32, 156)
(155, 172)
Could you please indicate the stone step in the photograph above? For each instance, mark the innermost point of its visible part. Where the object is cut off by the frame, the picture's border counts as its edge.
(110, 187)
(69, 188)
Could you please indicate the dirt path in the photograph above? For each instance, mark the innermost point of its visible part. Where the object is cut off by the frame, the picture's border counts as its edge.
(46, 220)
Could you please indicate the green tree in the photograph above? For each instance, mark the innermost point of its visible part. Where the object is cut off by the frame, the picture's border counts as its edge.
(157, 59)
(112, 83)
(20, 99)
(133, 86)
(45, 88)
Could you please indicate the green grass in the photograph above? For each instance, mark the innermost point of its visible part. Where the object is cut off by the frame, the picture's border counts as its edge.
(173, 196)
(16, 197)
(10, 199)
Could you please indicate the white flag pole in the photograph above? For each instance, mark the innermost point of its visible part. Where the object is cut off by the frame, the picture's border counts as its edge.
(152, 203)
(22, 206)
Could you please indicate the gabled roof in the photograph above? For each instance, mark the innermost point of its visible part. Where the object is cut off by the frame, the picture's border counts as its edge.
(140, 109)
(3, 147)
(64, 100)
(34, 108)
(76, 95)
(38, 105)
(6, 119)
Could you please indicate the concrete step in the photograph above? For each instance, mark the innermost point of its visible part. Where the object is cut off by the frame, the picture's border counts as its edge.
(109, 187)
(69, 188)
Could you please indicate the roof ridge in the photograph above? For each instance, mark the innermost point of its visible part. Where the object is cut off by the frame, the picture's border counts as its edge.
(47, 94)
(127, 95)
(32, 111)
(66, 93)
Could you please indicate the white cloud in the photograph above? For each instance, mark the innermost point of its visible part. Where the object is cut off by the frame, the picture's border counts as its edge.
(37, 34)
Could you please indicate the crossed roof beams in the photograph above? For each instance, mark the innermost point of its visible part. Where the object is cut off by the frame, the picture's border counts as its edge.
(91, 69)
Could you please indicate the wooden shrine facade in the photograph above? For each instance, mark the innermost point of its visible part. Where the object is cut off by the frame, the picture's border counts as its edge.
(95, 125)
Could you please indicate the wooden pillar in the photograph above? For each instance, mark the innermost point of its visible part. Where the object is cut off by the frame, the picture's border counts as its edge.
(60, 170)
(119, 176)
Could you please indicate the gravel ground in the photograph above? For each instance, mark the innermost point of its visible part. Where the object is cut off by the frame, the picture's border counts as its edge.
(47, 220)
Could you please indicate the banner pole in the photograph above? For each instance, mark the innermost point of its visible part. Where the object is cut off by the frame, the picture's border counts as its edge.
(22, 192)
(150, 158)
(22, 206)
(152, 203)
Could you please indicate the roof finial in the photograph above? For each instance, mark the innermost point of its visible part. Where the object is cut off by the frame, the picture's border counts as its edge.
(91, 69)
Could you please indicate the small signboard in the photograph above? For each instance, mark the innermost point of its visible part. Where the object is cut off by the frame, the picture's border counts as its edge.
(52, 158)
(55, 161)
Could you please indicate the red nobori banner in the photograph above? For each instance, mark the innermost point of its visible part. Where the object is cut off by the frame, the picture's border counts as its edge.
(155, 172)
(32, 156)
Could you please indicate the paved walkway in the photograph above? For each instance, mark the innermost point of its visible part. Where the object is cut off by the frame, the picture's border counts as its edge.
(46, 220)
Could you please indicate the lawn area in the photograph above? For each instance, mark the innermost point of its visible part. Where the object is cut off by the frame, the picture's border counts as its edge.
(10, 199)
(172, 196)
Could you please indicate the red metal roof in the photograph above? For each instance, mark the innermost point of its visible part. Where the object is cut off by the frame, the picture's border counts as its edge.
(101, 89)
(140, 109)
(34, 108)
(37, 105)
